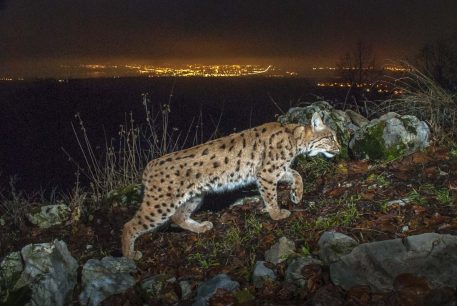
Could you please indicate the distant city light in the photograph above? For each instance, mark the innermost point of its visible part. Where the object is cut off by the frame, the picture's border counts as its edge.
(189, 70)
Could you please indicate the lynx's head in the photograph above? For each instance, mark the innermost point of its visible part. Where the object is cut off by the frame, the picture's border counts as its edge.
(317, 139)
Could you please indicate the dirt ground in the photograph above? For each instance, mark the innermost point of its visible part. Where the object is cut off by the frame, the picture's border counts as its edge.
(349, 197)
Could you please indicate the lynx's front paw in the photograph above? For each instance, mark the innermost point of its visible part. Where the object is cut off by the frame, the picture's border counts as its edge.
(199, 227)
(295, 196)
(137, 255)
(278, 215)
(205, 226)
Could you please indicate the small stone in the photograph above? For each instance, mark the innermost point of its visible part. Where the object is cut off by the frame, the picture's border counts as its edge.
(261, 274)
(333, 245)
(442, 173)
(206, 290)
(186, 290)
(280, 251)
(399, 202)
(294, 270)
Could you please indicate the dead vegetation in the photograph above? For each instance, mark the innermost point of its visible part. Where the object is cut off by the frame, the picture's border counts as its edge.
(423, 97)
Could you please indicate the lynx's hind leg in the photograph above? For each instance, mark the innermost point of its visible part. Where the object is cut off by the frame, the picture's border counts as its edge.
(148, 218)
(183, 213)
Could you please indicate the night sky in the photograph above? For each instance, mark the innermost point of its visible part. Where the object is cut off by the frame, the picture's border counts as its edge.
(301, 33)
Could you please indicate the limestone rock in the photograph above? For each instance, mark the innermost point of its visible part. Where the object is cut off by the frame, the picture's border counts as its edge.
(376, 264)
(49, 215)
(389, 137)
(261, 274)
(333, 245)
(280, 251)
(103, 278)
(206, 290)
(50, 272)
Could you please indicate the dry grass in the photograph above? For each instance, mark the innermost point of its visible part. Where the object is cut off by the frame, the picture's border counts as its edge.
(424, 98)
(124, 158)
(14, 204)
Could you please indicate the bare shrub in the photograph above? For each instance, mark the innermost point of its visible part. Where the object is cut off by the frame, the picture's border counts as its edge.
(14, 204)
(124, 158)
(421, 96)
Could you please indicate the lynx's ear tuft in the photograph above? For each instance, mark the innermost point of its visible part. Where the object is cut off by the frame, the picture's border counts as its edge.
(316, 122)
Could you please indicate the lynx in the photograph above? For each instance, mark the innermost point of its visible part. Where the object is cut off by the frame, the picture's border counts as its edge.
(175, 183)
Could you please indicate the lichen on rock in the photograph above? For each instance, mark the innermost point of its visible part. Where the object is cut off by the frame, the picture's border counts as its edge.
(389, 137)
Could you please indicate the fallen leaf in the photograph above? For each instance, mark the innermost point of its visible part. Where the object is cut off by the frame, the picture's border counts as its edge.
(440, 154)
(431, 172)
(435, 219)
(268, 239)
(368, 195)
(358, 167)
(418, 209)
(335, 192)
(420, 158)
(313, 273)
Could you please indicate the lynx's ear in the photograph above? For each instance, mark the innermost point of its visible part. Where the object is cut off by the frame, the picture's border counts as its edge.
(299, 132)
(316, 122)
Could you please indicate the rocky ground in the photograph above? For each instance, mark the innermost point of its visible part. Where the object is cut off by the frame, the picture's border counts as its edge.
(365, 201)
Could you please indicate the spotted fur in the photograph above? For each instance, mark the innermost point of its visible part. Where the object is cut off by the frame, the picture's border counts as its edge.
(175, 183)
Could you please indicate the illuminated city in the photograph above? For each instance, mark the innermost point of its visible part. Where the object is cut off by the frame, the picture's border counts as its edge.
(193, 70)
(388, 68)
(200, 70)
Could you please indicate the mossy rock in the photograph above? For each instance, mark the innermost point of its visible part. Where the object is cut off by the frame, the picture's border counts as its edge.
(335, 119)
(389, 137)
(130, 194)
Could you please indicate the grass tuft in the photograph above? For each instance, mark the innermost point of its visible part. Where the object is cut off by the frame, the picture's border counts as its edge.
(14, 204)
